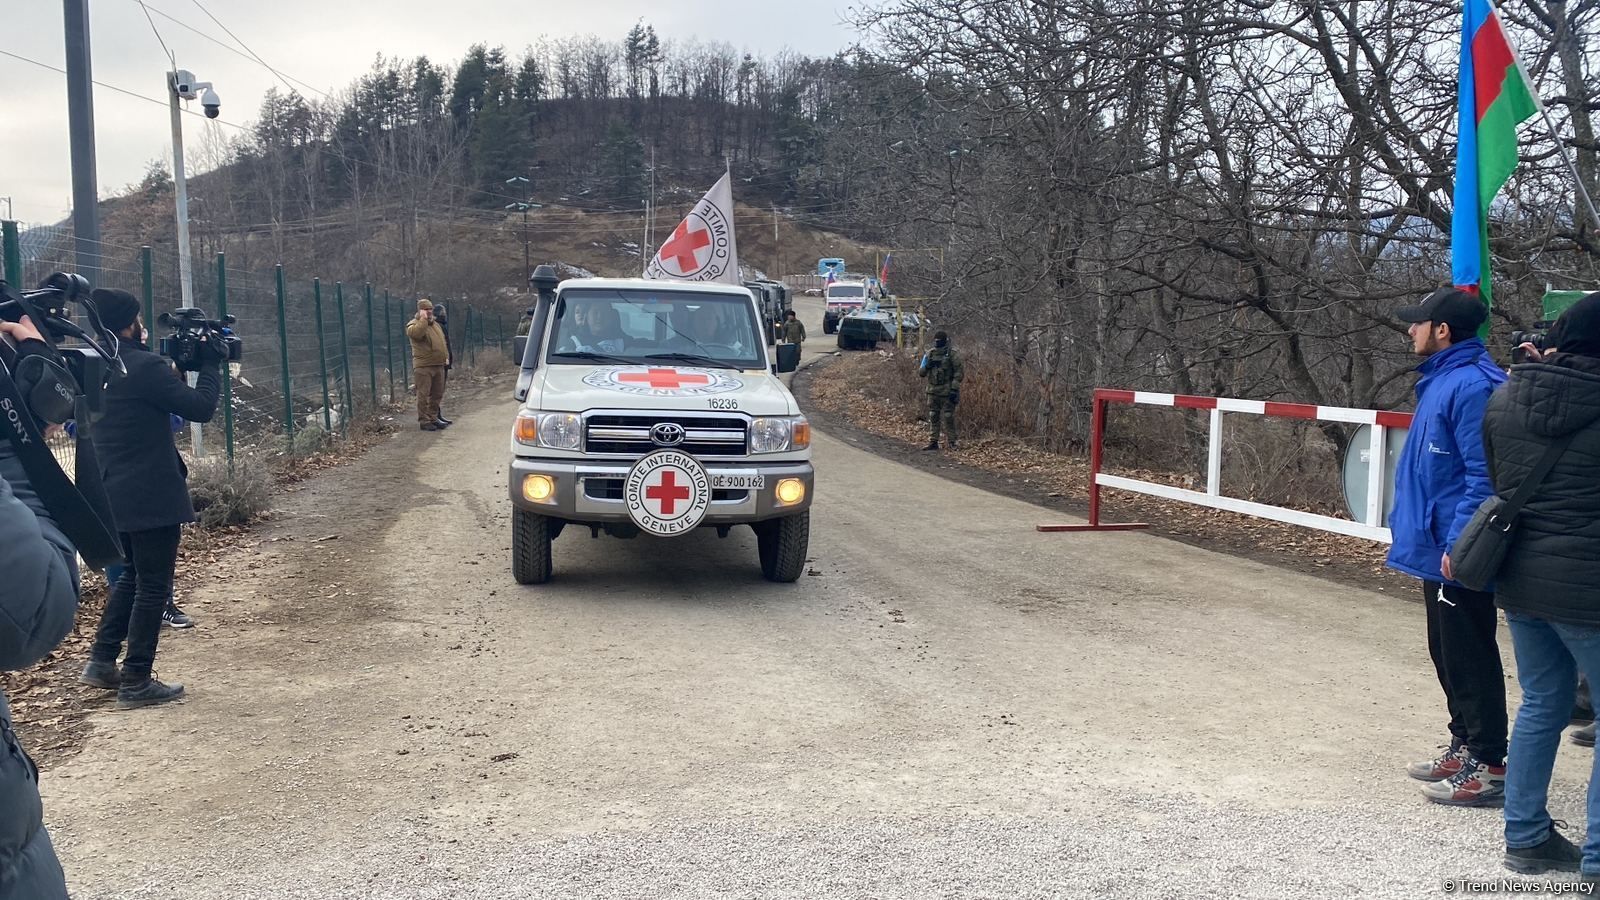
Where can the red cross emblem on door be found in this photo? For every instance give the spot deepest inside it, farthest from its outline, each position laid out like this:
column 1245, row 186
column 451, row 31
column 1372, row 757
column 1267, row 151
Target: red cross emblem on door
column 684, row 247
column 665, row 379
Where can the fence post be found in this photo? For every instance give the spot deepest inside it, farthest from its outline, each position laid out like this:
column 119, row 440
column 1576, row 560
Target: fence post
column 372, row 352
column 348, row 397
column 388, row 340
column 466, row 343
column 322, row 358
column 12, row 252
column 147, row 283
column 227, row 368
column 500, row 333
column 405, row 358
column 283, row 353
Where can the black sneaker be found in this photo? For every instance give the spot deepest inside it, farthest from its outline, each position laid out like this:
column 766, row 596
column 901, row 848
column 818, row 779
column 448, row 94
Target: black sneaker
column 1583, row 737
column 174, row 617
column 932, row 445
column 148, row 692
column 103, row 675
column 1556, row 854
column 444, row 421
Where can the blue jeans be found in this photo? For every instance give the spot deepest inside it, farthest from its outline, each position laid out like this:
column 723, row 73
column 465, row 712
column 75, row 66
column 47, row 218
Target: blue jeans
column 1550, row 656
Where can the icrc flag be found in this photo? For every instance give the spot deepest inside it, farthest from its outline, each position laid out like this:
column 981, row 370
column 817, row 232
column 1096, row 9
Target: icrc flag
column 702, row 247
column 1494, row 97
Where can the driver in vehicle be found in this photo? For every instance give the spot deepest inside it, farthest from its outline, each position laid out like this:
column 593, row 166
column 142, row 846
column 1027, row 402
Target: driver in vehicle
column 606, row 325
column 593, row 328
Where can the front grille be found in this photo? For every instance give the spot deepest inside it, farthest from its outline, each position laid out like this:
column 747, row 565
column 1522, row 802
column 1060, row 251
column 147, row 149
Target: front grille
column 611, row 489
column 624, row 435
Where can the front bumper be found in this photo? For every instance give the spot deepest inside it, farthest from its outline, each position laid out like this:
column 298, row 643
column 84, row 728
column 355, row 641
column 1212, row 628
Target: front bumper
column 590, row 492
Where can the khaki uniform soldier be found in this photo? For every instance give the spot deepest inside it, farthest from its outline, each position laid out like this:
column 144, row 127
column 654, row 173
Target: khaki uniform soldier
column 942, row 367
column 430, row 354
column 794, row 331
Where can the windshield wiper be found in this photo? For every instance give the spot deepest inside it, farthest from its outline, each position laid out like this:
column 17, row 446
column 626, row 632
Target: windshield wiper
column 593, row 356
column 695, row 358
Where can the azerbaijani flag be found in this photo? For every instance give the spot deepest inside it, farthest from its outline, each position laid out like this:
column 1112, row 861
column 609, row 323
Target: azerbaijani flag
column 1494, row 97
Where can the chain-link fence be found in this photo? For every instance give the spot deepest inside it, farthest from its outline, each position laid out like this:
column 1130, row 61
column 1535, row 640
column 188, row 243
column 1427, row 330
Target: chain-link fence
column 319, row 354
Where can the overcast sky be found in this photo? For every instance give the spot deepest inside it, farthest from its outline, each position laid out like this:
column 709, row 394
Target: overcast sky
column 327, row 43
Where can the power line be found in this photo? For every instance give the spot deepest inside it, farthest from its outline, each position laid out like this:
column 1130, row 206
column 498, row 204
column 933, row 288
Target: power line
column 226, row 46
column 246, row 47
column 159, row 38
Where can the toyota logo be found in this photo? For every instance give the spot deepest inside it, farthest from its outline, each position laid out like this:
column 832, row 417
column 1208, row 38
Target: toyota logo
column 667, row 434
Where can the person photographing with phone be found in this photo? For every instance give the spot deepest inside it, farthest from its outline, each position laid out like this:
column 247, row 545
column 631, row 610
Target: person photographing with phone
column 1542, row 439
column 430, row 357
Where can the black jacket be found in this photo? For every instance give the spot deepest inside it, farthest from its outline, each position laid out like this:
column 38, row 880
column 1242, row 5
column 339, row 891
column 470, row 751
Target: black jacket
column 145, row 477
column 1553, row 568
column 36, row 611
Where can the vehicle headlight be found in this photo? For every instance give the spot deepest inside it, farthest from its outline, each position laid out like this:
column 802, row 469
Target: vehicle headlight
column 775, row 434
column 556, row 431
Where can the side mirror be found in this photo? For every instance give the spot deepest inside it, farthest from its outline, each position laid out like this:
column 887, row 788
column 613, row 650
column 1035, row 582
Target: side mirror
column 788, row 357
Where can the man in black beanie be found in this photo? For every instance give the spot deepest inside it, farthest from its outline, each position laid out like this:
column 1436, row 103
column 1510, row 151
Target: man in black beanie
column 147, row 483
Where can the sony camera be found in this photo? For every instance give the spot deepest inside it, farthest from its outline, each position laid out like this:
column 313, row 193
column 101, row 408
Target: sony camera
column 44, row 383
column 1539, row 337
column 197, row 341
column 54, row 378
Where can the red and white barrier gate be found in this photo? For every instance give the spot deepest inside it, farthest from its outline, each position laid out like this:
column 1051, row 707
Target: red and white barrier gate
column 1371, row 526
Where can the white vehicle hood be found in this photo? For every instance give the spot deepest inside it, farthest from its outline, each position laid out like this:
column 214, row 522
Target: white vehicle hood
column 560, row 388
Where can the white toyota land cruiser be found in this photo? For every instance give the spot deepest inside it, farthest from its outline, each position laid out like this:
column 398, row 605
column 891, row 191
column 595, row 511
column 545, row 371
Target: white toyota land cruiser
column 652, row 407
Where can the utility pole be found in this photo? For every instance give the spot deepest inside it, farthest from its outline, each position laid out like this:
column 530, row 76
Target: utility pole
column 524, row 205
column 650, row 206
column 80, row 128
column 181, row 85
column 180, row 186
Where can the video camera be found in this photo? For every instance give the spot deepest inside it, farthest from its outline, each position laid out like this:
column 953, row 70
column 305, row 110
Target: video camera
column 197, row 341
column 43, row 384
column 1539, row 338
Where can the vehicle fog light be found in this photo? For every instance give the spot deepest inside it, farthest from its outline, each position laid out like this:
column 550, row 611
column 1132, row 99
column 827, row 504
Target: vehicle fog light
column 790, row 491
column 539, row 488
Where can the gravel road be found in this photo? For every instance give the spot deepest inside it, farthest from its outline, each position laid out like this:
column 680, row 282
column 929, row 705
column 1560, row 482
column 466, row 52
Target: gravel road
column 949, row 705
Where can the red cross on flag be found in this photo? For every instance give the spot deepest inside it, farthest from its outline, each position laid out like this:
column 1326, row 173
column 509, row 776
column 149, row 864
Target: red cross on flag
column 702, row 247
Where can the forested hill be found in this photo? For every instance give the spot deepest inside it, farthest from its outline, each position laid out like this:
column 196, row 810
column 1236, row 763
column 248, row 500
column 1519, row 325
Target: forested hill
column 406, row 176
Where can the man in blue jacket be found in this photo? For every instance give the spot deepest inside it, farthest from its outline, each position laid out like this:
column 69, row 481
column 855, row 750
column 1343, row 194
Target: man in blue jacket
column 1441, row 479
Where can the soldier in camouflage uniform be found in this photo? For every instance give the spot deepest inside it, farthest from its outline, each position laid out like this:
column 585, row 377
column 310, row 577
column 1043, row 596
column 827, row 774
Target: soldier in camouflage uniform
column 942, row 367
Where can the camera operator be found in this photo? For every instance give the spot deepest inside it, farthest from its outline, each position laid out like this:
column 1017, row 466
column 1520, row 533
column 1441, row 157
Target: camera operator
column 147, row 483
column 37, row 609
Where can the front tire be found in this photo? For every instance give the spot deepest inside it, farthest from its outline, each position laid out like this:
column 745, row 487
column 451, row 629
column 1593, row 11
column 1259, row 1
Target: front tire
column 531, row 534
column 782, row 544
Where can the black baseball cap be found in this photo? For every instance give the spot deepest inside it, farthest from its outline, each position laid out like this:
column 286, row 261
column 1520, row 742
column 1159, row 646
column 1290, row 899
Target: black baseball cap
column 1463, row 312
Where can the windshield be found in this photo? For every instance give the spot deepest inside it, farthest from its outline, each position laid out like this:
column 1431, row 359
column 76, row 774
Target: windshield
column 644, row 327
column 846, row 291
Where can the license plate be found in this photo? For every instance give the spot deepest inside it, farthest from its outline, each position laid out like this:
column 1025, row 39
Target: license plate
column 733, row 482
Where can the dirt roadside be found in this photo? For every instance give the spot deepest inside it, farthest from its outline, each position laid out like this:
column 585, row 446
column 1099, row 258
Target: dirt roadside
column 1059, row 483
